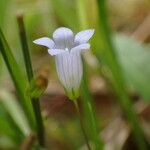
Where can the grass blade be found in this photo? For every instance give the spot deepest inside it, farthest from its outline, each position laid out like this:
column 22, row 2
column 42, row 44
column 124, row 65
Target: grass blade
column 17, row 77
column 107, row 55
column 15, row 111
column 89, row 114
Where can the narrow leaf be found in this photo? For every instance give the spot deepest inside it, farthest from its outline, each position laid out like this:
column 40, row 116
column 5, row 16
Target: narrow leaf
column 17, row 77
column 15, row 111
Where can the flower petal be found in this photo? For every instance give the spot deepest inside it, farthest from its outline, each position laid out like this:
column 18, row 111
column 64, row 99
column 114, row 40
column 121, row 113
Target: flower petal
column 82, row 47
column 45, row 42
column 55, row 51
column 77, row 70
column 83, row 36
column 62, row 66
column 63, row 38
column 69, row 70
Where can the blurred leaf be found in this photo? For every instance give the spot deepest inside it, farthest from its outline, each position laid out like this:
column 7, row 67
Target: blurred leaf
column 135, row 59
column 15, row 111
column 65, row 10
column 35, row 27
column 110, row 60
column 82, row 15
column 3, row 7
column 8, row 128
column 5, row 126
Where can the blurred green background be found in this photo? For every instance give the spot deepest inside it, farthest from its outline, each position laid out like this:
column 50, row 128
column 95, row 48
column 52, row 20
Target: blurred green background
column 129, row 22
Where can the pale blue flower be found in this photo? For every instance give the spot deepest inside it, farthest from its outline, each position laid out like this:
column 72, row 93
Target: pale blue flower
column 67, row 48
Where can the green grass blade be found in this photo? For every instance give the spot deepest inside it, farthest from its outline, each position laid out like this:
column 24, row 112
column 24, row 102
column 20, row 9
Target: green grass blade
column 134, row 60
column 25, row 48
column 107, row 55
column 65, row 12
column 15, row 111
column 3, row 7
column 89, row 114
column 17, row 77
column 81, row 11
column 8, row 127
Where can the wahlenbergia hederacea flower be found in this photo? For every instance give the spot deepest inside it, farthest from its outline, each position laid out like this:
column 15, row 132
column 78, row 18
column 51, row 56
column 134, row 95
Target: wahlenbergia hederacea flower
column 67, row 48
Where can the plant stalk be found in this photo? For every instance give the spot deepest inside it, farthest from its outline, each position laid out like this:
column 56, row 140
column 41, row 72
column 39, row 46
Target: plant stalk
column 29, row 71
column 89, row 112
column 81, row 124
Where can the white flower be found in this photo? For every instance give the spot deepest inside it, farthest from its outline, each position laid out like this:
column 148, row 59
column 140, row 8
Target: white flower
column 67, row 48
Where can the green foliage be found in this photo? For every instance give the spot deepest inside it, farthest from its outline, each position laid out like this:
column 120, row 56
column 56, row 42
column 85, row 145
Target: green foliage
column 117, row 80
column 5, row 126
column 134, row 59
column 65, row 11
column 89, row 114
column 125, row 61
column 3, row 8
column 17, row 77
column 8, row 130
column 15, row 111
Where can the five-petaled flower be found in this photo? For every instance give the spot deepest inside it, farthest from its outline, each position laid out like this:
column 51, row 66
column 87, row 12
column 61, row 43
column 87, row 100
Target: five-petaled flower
column 67, row 48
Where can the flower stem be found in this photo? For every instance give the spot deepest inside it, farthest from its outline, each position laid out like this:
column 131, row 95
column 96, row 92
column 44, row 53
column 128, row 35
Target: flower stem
column 29, row 71
column 89, row 112
column 81, row 123
column 97, row 142
column 40, row 126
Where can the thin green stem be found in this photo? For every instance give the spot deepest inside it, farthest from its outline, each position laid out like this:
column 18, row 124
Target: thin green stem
column 29, row 70
column 85, row 94
column 82, row 125
column 98, row 144
column 40, row 126
column 25, row 48
column 89, row 113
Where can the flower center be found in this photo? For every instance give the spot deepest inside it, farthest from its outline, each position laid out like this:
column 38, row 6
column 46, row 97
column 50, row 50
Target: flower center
column 66, row 49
